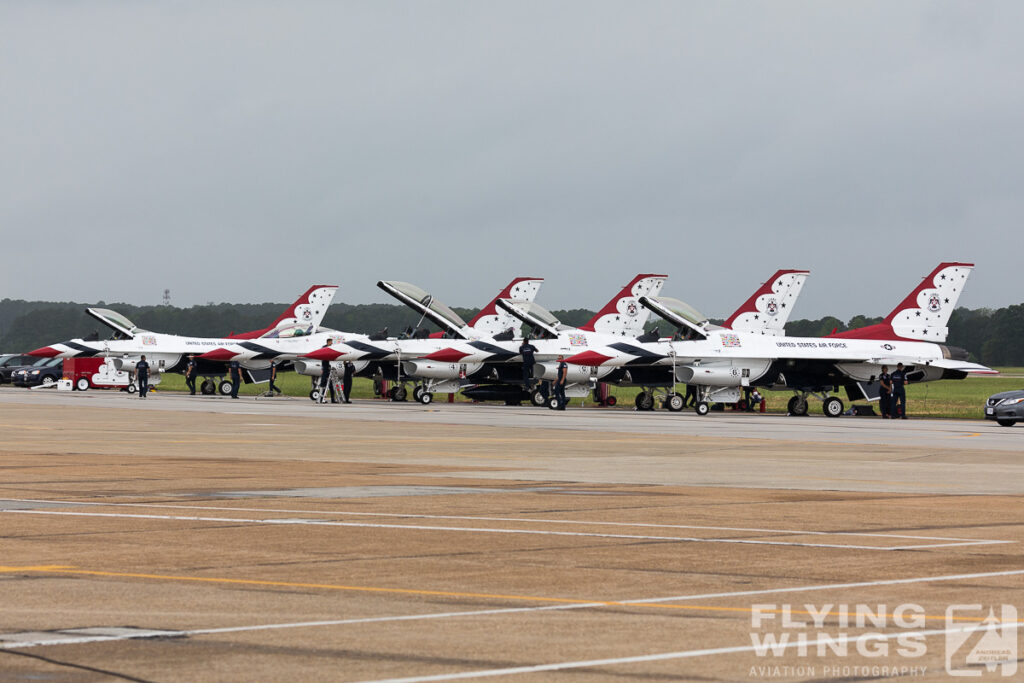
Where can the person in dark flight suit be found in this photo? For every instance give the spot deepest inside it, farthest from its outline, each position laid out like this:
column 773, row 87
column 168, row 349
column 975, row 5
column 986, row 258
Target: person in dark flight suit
column 885, row 392
column 142, row 375
column 190, row 374
column 899, row 393
column 273, row 376
column 346, row 385
column 690, row 399
column 526, row 350
column 559, row 384
column 235, row 371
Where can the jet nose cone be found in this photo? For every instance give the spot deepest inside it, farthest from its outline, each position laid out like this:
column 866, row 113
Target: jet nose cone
column 45, row 352
column 219, row 354
column 326, row 353
column 588, row 358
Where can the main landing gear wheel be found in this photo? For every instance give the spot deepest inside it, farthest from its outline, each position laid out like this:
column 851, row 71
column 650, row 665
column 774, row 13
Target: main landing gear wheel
column 554, row 404
column 537, row 398
column 797, row 406
column 1006, row 423
column 207, row 388
column 833, row 406
column 425, row 397
column 674, row 403
column 417, row 391
column 131, row 388
column 399, row 393
column 225, row 388
column 702, row 408
column 644, row 401
column 314, row 395
column 82, row 384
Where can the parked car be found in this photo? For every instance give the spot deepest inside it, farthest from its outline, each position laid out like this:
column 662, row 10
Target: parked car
column 12, row 362
column 9, row 362
column 1006, row 408
column 48, row 372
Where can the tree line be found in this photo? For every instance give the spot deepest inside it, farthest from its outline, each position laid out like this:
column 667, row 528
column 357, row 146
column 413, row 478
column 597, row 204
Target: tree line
column 993, row 337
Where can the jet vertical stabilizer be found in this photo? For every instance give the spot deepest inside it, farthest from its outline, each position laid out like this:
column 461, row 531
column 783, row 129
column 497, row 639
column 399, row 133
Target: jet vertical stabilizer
column 491, row 320
column 309, row 310
column 924, row 313
column 624, row 315
column 767, row 311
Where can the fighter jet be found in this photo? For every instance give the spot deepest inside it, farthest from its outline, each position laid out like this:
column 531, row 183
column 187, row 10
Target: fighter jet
column 379, row 354
column 720, row 362
column 169, row 352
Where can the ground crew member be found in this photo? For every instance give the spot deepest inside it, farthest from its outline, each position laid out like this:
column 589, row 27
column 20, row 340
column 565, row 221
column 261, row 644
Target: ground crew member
column 142, row 375
column 690, row 399
column 325, row 381
column 899, row 393
column 273, row 376
column 559, row 386
column 526, row 350
column 235, row 371
column 346, row 385
column 885, row 392
column 190, row 374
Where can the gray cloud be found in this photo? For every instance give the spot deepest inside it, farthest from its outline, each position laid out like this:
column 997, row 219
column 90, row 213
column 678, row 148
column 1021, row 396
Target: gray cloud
column 238, row 151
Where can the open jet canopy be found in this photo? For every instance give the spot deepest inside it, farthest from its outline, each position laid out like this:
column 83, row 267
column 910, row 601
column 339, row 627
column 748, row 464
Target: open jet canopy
column 534, row 315
column 676, row 312
column 115, row 321
column 420, row 300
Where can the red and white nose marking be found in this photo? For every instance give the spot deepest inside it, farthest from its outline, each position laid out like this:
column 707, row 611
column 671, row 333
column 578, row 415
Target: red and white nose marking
column 326, row 353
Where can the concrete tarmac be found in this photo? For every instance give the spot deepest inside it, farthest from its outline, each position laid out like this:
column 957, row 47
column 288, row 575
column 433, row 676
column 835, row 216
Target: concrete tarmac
column 183, row 539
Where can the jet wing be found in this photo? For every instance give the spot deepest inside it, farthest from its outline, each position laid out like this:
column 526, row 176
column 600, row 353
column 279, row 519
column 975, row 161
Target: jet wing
column 677, row 313
column 114, row 321
column 424, row 303
column 962, row 366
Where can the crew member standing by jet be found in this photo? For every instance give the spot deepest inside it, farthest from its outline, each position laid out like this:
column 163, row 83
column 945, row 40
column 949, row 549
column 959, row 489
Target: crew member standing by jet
column 273, row 376
column 526, row 350
column 690, row 399
column 142, row 375
column 235, row 371
column 559, row 386
column 885, row 392
column 190, row 374
column 899, row 393
column 346, row 386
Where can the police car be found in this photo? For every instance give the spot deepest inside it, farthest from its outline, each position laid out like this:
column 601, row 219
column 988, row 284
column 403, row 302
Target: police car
column 1006, row 408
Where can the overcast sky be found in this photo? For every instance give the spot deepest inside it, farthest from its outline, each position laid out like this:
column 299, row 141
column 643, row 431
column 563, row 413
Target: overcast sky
column 240, row 151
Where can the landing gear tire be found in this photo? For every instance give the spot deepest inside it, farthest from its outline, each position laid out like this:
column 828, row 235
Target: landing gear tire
column 610, row 401
column 674, row 403
column 207, row 388
column 314, row 395
column 537, row 398
column 644, row 401
column 131, row 388
column 417, row 391
column 554, row 404
column 833, row 406
column 82, row 384
column 1006, row 423
column 399, row 394
column 702, row 408
column 425, row 397
column 797, row 405
column 225, row 388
